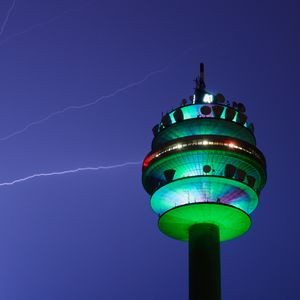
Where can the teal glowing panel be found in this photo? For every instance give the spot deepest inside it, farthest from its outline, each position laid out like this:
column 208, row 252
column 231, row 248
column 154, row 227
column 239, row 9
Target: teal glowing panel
column 191, row 163
column 203, row 127
column 204, row 189
column 194, row 111
column 232, row 222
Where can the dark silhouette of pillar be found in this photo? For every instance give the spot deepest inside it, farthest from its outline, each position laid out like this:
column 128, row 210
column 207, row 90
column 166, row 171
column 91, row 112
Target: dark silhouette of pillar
column 204, row 262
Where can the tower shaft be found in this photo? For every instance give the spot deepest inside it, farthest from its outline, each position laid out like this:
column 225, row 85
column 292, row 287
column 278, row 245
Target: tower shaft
column 204, row 262
column 204, row 174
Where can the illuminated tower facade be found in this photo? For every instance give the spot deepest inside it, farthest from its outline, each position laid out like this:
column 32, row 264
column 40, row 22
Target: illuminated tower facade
column 204, row 175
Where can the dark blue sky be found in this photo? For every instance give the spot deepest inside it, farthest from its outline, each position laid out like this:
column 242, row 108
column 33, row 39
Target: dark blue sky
column 92, row 235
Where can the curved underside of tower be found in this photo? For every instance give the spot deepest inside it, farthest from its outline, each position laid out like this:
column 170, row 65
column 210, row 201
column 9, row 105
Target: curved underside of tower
column 204, row 167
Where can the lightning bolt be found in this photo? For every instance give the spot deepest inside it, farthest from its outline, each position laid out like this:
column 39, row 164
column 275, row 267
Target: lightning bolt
column 65, row 172
column 41, row 24
column 76, row 107
column 2, row 28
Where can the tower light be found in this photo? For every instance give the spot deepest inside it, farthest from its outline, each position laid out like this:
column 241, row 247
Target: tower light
column 214, row 161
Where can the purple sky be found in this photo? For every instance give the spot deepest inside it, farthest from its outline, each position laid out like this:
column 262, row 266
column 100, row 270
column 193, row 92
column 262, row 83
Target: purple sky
column 92, row 234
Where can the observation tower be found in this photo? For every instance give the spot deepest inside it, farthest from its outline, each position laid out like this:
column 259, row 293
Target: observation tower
column 204, row 175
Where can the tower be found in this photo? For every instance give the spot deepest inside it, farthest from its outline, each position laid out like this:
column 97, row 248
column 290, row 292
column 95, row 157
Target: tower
column 204, row 175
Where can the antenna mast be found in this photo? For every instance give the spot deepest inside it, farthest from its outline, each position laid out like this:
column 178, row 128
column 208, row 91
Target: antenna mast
column 202, row 85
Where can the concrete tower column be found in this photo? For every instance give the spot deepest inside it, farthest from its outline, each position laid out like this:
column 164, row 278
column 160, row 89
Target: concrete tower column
column 204, row 262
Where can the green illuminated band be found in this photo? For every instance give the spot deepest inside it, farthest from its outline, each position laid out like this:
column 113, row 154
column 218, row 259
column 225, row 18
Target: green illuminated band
column 191, row 163
column 204, row 189
column 193, row 111
column 232, row 222
column 204, row 126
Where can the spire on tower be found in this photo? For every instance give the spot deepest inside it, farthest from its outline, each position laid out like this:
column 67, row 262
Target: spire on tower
column 200, row 85
column 201, row 79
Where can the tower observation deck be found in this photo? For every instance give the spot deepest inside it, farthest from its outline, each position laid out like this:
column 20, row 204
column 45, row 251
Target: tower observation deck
column 204, row 175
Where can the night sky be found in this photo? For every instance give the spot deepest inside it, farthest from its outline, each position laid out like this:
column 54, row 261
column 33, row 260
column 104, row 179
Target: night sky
column 92, row 234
